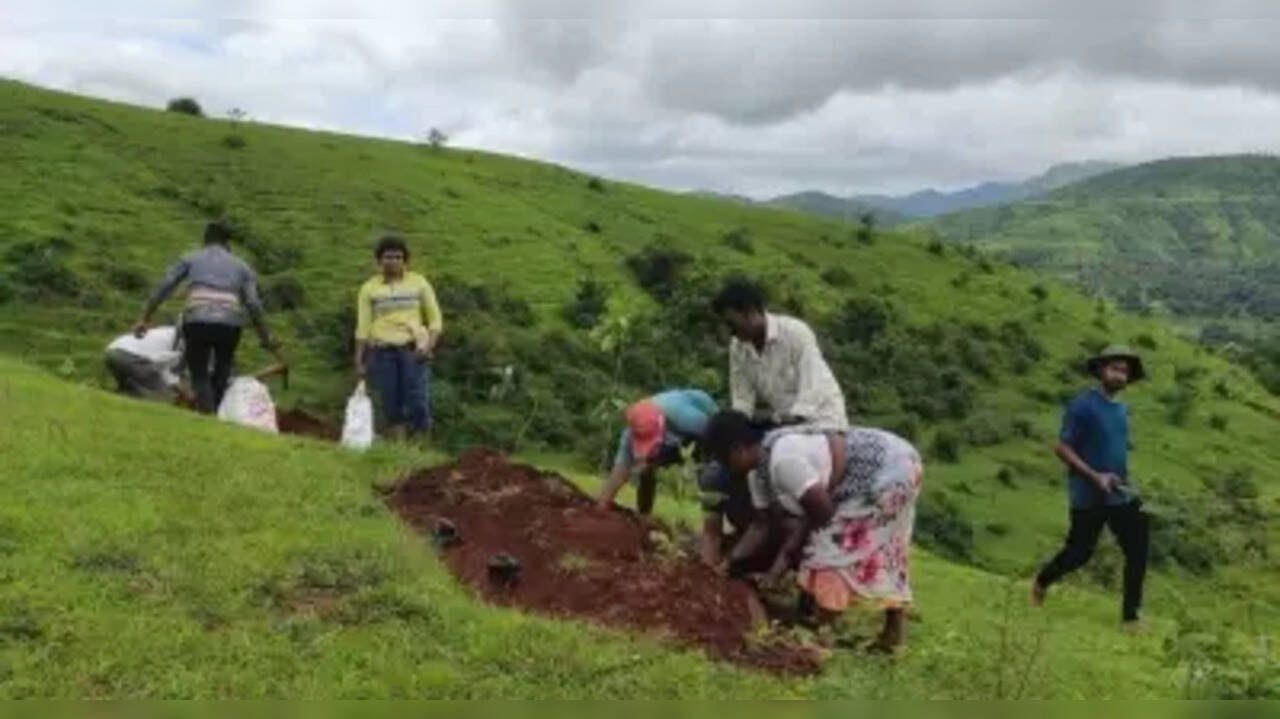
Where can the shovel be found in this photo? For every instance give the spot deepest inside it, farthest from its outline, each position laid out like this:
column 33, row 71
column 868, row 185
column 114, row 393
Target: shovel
column 279, row 368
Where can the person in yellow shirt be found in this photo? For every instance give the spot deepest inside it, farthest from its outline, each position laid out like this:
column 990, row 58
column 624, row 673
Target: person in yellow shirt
column 398, row 323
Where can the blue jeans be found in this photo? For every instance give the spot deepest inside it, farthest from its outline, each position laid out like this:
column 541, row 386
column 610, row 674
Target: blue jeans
column 404, row 382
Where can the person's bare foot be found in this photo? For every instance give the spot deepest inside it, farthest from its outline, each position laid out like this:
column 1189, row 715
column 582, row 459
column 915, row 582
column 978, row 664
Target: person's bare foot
column 1135, row 626
column 885, row 644
column 890, row 638
column 1037, row 593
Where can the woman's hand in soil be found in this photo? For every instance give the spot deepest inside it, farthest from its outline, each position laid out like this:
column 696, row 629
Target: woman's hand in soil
column 712, row 558
column 772, row 579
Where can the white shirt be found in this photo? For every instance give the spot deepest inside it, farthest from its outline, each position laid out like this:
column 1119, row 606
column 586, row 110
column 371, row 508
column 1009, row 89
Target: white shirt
column 156, row 346
column 789, row 375
column 797, row 463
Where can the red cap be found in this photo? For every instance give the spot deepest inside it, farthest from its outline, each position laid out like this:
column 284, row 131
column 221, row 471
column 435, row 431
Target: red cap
column 647, row 425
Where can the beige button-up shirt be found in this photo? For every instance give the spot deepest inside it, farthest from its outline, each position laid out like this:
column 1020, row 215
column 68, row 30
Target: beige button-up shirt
column 789, row 375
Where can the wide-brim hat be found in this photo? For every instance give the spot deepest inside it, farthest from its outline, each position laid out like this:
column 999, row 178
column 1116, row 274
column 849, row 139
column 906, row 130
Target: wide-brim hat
column 1114, row 352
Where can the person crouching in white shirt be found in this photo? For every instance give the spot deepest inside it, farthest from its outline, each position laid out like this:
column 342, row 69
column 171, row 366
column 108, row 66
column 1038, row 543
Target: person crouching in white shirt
column 147, row 367
column 778, row 377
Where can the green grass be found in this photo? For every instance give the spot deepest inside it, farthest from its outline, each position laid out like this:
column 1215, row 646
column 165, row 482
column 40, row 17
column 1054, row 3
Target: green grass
column 146, row 552
column 101, row 196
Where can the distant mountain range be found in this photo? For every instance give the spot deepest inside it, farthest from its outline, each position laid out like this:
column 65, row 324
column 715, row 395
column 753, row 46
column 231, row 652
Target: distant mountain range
column 1198, row 235
column 931, row 203
column 893, row 209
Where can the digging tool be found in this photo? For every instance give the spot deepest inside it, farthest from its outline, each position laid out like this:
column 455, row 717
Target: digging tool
column 279, row 368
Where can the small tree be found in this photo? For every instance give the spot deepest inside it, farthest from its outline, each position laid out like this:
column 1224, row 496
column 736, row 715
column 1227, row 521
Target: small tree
column 237, row 116
column 185, row 106
column 436, row 138
column 589, row 305
column 867, row 229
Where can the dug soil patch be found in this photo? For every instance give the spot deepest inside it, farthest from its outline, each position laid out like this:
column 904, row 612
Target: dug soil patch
column 614, row 568
column 300, row 422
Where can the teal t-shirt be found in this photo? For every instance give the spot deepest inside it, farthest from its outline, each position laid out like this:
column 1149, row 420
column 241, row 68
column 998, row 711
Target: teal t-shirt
column 1097, row 428
column 687, row 412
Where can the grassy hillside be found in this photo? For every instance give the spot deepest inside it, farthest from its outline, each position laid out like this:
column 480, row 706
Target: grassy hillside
column 592, row 292
column 1199, row 236
column 148, row 552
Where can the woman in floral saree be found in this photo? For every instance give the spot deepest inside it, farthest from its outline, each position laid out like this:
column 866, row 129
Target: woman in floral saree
column 848, row 496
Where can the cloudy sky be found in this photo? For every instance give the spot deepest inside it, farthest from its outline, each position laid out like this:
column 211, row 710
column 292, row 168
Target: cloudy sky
column 752, row 97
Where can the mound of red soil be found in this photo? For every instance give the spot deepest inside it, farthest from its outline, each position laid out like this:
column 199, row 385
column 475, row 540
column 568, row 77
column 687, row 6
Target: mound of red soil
column 613, row 567
column 300, row 422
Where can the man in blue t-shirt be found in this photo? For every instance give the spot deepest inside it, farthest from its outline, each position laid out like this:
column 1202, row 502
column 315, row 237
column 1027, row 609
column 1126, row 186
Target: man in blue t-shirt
column 1094, row 444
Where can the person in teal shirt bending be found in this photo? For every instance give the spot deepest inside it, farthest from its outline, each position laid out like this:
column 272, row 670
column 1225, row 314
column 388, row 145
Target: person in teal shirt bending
column 657, row 429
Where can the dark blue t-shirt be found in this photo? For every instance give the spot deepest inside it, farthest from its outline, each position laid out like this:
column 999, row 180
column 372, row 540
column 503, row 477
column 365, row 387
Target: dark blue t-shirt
column 1097, row 429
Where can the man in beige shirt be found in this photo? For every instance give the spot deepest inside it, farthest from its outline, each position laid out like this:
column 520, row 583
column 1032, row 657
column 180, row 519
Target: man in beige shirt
column 778, row 376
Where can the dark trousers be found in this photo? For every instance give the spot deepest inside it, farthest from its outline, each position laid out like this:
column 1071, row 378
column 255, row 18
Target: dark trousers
column 404, row 384
column 1131, row 528
column 210, row 349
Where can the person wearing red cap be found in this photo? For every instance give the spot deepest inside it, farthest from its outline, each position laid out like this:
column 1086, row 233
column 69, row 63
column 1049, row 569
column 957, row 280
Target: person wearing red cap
column 656, row 430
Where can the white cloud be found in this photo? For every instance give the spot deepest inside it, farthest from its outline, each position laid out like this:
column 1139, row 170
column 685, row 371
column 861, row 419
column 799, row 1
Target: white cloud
column 746, row 104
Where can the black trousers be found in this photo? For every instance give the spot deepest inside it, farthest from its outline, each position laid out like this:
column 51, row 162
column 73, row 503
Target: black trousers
column 210, row 349
column 1131, row 528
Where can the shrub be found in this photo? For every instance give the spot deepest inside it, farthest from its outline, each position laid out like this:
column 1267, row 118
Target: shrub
column 234, row 141
column 1196, row 549
column 285, row 293
column 40, row 270
column 1040, row 292
column 658, row 270
column 588, row 305
column 1238, row 485
column 436, row 139
column 985, row 430
column 861, row 320
column 943, row 528
column 946, row 446
column 739, row 238
column 185, row 106
column 973, row 357
column 593, row 227
column 595, row 184
column 1022, row 428
column 332, row 332
column 127, row 279
column 935, row 247
column 866, row 232
column 997, row 529
column 1005, row 477
column 1179, row 404
column 1146, row 341
column 905, row 426
column 270, row 258
column 838, row 277
column 1218, row 422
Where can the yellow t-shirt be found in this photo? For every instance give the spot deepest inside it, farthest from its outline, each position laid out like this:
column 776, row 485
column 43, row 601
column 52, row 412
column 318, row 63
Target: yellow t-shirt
column 391, row 313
